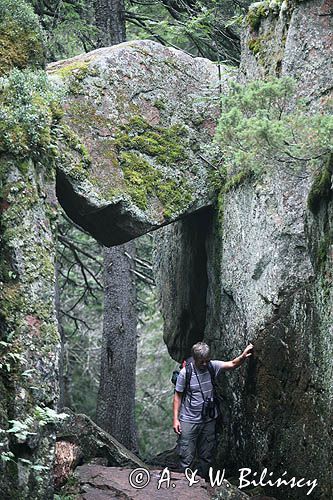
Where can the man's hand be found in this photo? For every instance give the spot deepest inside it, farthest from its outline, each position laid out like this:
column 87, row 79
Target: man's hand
column 246, row 352
column 235, row 363
column 176, row 426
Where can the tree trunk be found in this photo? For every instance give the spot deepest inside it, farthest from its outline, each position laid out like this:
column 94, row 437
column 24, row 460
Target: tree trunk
column 110, row 19
column 65, row 399
column 116, row 395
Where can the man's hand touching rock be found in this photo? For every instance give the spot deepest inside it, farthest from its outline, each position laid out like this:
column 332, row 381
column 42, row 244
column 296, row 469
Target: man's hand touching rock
column 248, row 351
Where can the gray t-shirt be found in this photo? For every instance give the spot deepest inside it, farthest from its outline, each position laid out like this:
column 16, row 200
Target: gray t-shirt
column 191, row 407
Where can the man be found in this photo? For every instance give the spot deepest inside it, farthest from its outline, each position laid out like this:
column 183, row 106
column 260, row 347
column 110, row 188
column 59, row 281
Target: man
column 194, row 414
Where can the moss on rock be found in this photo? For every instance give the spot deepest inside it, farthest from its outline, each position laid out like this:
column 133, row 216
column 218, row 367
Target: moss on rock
column 136, row 142
column 21, row 37
column 256, row 12
column 29, row 110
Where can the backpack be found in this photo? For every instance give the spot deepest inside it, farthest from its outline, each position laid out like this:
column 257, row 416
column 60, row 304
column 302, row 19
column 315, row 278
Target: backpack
column 187, row 363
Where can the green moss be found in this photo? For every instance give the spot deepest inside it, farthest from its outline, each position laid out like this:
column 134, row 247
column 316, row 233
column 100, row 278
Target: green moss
column 174, row 195
column 79, row 69
column 11, row 300
column 21, row 37
column 159, row 104
column 237, row 179
column 255, row 14
column 73, row 155
column 163, row 143
column 323, row 248
column 255, row 45
column 75, row 74
column 220, row 211
column 138, row 140
column 144, row 181
column 140, row 177
column 83, row 114
column 29, row 116
column 321, row 187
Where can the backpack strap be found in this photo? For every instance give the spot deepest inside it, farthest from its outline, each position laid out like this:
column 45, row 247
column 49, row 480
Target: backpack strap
column 212, row 373
column 188, row 375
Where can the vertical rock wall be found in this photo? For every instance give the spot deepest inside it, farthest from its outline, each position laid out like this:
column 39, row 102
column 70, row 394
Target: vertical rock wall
column 29, row 336
column 269, row 268
column 276, row 278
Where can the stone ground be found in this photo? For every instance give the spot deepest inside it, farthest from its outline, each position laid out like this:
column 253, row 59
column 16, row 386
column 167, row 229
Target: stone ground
column 105, row 483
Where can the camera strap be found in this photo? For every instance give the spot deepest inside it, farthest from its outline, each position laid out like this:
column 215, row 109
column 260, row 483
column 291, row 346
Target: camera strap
column 203, row 397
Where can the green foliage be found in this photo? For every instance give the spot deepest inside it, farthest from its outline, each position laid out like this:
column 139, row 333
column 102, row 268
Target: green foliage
column 261, row 123
column 21, row 430
column 209, row 28
column 40, row 417
column 254, row 45
column 10, row 358
column 29, row 107
column 69, row 26
column 22, row 39
column 47, row 415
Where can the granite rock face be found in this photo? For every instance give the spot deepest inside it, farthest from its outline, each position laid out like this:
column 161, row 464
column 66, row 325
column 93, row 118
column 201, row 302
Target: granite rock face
column 28, row 328
column 146, row 115
column 269, row 259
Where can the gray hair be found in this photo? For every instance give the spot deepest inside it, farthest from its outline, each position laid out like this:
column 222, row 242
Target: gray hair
column 200, row 350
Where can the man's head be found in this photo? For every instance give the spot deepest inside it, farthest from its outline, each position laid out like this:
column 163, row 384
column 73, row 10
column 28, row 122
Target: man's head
column 201, row 355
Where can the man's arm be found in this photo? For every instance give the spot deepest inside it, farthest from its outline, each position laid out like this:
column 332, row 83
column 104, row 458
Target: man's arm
column 177, row 400
column 235, row 363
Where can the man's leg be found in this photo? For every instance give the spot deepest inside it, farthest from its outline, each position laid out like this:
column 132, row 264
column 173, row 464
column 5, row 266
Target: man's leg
column 206, row 446
column 186, row 443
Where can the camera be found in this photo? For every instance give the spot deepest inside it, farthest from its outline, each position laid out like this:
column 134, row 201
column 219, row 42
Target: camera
column 208, row 408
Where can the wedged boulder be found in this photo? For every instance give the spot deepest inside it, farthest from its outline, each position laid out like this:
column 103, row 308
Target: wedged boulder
column 146, row 115
column 93, row 442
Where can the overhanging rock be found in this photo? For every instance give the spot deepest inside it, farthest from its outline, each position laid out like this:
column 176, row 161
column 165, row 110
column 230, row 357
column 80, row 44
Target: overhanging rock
column 146, row 116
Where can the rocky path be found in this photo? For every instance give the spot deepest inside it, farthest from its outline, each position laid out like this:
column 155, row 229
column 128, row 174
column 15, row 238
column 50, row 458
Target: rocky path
column 97, row 482
column 105, row 483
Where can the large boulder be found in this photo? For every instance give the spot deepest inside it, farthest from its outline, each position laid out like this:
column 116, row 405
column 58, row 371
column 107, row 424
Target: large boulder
column 146, row 115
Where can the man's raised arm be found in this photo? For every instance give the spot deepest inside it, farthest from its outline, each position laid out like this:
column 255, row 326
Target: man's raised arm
column 235, row 363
